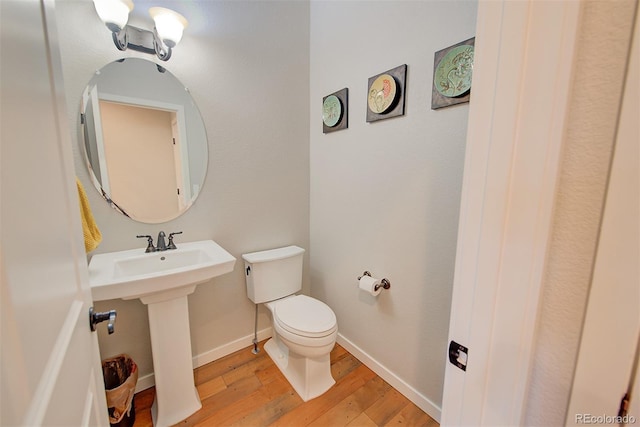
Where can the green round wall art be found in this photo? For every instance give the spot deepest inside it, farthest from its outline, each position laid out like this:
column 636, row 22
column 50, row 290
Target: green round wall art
column 452, row 77
column 331, row 111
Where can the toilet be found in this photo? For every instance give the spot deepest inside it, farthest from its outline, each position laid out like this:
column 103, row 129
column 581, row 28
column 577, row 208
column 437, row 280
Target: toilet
column 304, row 329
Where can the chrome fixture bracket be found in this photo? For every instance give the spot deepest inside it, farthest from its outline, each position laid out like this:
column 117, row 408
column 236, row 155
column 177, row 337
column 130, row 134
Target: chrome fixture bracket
column 141, row 40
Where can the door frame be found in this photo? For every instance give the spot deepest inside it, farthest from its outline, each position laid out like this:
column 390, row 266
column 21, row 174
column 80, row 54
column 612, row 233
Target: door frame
column 514, row 141
column 614, row 294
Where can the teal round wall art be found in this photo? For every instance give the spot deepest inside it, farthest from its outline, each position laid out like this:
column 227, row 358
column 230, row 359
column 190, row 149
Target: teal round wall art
column 453, row 72
column 335, row 111
column 331, row 110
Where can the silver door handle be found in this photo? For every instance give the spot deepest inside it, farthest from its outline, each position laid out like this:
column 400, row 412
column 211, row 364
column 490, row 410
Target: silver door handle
column 97, row 317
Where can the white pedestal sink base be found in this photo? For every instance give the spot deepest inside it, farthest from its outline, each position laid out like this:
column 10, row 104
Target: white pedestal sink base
column 176, row 394
column 162, row 281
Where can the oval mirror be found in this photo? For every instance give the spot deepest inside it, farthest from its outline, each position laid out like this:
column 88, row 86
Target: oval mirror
column 144, row 140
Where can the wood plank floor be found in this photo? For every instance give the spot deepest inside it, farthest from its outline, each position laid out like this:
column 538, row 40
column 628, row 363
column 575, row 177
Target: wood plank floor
column 243, row 389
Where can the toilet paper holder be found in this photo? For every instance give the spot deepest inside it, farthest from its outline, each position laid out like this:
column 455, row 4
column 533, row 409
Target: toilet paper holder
column 384, row 283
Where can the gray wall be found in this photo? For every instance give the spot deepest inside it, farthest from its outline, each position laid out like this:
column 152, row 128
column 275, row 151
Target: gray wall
column 247, row 67
column 385, row 196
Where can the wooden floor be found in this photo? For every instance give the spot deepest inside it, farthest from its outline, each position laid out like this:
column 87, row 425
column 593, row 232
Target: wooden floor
column 243, row 389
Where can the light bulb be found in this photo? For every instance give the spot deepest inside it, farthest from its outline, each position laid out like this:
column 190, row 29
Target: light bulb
column 169, row 25
column 114, row 13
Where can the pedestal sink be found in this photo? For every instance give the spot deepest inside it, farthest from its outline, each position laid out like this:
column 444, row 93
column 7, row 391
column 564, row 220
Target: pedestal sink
column 162, row 281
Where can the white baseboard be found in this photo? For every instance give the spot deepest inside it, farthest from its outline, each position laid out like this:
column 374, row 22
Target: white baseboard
column 148, row 381
column 145, row 382
column 225, row 349
column 396, row 382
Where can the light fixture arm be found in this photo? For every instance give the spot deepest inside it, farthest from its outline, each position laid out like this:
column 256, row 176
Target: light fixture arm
column 120, row 38
column 162, row 50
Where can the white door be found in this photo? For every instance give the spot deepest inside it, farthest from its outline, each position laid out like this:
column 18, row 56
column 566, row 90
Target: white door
column 50, row 366
column 514, row 137
column 515, row 132
column 612, row 325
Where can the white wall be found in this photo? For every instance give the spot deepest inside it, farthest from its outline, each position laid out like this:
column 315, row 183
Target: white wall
column 385, row 196
column 247, row 67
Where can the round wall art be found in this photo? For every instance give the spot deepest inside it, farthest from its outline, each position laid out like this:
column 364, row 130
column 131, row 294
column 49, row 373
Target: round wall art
column 382, row 94
column 335, row 111
column 452, row 74
column 331, row 110
column 385, row 94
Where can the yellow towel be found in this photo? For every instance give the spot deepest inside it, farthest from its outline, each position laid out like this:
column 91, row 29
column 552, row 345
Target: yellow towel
column 92, row 236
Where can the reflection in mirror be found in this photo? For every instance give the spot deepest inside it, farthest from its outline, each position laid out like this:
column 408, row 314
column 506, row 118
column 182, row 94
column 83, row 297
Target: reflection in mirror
column 144, row 140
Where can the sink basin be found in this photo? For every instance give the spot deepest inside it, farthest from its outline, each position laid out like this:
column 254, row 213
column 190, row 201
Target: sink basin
column 162, row 281
column 135, row 274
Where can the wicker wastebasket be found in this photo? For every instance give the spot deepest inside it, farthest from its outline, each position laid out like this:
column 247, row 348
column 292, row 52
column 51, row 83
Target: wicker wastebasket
column 120, row 377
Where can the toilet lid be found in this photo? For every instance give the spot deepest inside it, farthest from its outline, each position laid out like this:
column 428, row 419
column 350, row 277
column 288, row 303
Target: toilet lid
column 306, row 316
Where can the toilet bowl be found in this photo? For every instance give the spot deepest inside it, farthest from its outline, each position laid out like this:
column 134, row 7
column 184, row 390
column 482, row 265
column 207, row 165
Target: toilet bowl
column 304, row 328
column 300, row 347
column 306, row 325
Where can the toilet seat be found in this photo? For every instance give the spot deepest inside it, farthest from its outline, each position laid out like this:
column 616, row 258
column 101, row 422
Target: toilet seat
column 305, row 317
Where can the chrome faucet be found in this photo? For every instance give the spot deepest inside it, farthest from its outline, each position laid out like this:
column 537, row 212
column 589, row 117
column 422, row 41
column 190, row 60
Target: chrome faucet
column 160, row 244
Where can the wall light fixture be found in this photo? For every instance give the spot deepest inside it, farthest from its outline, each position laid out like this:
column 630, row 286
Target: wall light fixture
column 166, row 34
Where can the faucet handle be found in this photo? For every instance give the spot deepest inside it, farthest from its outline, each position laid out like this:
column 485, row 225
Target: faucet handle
column 172, row 245
column 150, row 247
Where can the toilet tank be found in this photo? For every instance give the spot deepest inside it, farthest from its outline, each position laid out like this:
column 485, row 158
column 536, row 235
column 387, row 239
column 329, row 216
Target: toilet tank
column 273, row 274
